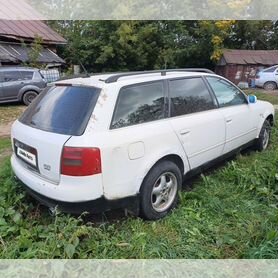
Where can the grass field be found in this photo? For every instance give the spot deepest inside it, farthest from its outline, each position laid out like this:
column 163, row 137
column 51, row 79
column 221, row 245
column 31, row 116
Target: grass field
column 228, row 212
column 271, row 96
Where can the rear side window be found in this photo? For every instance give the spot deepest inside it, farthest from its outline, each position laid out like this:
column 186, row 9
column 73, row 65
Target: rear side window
column 226, row 93
column 10, row 76
column 139, row 104
column 62, row 109
column 188, row 96
column 270, row 69
column 27, row 75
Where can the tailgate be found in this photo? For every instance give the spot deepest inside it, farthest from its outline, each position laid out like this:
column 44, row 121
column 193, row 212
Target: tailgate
column 40, row 151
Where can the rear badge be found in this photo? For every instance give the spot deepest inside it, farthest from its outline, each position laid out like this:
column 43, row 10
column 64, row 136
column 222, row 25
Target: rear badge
column 46, row 167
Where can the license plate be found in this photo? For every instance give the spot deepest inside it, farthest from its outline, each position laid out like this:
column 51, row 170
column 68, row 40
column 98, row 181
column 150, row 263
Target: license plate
column 26, row 153
column 28, row 157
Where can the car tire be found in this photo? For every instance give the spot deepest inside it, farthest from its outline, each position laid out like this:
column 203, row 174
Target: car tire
column 28, row 97
column 270, row 86
column 160, row 190
column 264, row 137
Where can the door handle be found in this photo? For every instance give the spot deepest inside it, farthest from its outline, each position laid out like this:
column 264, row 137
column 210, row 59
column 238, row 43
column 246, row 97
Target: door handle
column 184, row 132
column 229, row 120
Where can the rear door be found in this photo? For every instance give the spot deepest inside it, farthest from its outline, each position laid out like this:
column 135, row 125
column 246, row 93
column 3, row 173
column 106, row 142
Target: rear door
column 47, row 124
column 241, row 120
column 196, row 120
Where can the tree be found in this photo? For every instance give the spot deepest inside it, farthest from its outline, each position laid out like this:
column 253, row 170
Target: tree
column 105, row 46
column 33, row 52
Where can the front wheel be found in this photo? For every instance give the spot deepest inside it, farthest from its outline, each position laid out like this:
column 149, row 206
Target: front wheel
column 264, row 137
column 159, row 191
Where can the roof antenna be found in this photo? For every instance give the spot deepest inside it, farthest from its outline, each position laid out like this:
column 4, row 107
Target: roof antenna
column 84, row 69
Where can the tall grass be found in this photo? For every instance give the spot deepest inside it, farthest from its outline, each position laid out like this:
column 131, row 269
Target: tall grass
column 231, row 212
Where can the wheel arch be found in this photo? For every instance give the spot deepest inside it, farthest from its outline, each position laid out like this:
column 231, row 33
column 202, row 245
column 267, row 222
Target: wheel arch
column 270, row 119
column 175, row 158
column 26, row 89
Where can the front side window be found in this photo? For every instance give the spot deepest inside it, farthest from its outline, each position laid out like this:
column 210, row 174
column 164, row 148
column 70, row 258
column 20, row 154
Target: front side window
column 226, row 93
column 139, row 104
column 188, row 96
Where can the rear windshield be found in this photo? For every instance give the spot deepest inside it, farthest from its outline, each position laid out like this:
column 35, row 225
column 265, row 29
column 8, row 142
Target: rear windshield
column 62, row 109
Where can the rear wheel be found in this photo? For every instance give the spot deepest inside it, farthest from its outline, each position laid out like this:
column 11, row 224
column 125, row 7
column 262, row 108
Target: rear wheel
column 159, row 191
column 264, row 137
column 28, row 97
column 270, row 86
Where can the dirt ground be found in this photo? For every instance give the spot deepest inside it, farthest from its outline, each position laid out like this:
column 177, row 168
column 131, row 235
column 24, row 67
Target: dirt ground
column 5, row 129
column 8, row 114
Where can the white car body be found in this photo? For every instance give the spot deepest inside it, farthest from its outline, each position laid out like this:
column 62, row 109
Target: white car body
column 267, row 77
column 128, row 153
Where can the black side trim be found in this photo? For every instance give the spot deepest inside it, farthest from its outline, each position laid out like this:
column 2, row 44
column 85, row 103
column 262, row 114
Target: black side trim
column 213, row 162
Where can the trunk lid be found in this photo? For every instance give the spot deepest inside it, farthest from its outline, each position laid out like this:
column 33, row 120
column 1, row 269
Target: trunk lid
column 56, row 115
column 39, row 151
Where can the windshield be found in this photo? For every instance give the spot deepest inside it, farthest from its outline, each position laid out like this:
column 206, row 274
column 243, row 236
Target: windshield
column 62, row 109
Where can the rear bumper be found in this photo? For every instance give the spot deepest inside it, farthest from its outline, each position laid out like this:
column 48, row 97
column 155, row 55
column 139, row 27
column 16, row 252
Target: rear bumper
column 69, row 189
column 259, row 83
column 71, row 196
column 94, row 206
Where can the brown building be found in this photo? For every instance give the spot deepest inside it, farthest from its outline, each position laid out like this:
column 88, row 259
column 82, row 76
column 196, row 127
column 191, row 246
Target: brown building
column 242, row 65
column 14, row 52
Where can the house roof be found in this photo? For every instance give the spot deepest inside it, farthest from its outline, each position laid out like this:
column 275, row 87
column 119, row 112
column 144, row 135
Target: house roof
column 29, row 29
column 16, row 53
column 18, row 9
column 250, row 57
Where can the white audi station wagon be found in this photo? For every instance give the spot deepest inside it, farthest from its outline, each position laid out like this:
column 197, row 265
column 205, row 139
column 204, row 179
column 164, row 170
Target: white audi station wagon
column 128, row 140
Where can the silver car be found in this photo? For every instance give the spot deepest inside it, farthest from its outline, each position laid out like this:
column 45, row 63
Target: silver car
column 267, row 78
column 20, row 84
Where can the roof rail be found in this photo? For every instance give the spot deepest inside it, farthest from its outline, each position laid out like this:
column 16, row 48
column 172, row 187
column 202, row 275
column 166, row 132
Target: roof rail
column 116, row 77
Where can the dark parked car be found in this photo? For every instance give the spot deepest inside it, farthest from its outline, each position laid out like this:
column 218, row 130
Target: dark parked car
column 20, row 84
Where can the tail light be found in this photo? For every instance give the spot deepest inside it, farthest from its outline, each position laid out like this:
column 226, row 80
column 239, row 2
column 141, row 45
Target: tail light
column 80, row 161
column 257, row 76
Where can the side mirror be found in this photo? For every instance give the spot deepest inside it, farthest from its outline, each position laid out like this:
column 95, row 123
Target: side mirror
column 252, row 99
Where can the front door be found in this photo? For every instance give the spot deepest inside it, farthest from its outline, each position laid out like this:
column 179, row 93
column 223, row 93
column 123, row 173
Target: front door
column 241, row 119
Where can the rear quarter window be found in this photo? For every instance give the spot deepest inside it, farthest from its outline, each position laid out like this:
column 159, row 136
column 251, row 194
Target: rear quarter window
column 62, row 109
column 27, row 75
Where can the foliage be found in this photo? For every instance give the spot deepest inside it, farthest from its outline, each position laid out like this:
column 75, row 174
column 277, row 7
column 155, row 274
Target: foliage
column 228, row 212
column 34, row 51
column 219, row 31
column 143, row 45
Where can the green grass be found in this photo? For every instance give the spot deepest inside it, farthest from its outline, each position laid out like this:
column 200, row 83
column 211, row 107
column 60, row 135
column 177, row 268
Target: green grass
column 231, row 212
column 4, row 144
column 265, row 95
